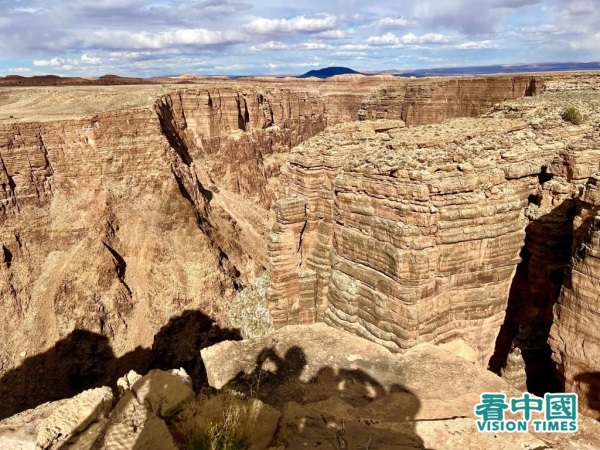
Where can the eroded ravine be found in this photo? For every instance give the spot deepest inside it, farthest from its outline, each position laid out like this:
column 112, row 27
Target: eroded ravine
column 119, row 223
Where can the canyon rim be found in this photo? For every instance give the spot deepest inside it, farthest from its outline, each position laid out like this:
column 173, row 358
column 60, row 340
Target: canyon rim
column 449, row 225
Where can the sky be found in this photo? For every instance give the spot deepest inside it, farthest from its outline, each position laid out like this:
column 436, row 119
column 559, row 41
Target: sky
column 251, row 37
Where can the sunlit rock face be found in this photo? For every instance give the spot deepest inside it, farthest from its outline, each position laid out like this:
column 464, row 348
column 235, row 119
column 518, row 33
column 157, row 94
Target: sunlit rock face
column 123, row 206
column 417, row 228
column 479, row 229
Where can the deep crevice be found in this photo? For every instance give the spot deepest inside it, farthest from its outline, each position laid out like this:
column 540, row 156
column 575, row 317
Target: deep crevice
column 120, row 265
column 168, row 126
column 534, row 291
column 8, row 256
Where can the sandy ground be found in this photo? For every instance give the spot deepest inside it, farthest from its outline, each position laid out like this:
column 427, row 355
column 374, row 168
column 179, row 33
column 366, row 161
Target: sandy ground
column 33, row 104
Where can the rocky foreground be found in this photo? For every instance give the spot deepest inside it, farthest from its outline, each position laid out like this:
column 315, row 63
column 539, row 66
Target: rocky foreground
column 307, row 386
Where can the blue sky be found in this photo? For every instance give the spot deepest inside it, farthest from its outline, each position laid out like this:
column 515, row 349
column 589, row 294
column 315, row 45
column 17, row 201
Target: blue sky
column 208, row 37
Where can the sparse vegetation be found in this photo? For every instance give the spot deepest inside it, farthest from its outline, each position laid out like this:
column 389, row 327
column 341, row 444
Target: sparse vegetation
column 221, row 422
column 248, row 310
column 572, row 115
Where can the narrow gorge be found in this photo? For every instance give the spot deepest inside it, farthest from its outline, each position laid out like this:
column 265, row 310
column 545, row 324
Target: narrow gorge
column 460, row 212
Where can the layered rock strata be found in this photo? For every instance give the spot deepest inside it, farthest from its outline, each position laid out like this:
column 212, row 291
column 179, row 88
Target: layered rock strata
column 122, row 207
column 405, row 235
column 574, row 337
column 425, row 101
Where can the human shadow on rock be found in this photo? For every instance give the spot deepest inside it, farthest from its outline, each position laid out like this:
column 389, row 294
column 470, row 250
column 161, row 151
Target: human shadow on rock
column 589, row 386
column 281, row 383
column 84, row 360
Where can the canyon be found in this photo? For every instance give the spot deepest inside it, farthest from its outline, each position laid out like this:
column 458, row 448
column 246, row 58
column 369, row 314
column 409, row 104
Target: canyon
column 460, row 212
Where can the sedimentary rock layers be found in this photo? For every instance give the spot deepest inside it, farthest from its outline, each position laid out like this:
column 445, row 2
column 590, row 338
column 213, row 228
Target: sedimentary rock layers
column 410, row 234
column 422, row 101
column 404, row 235
column 574, row 337
column 92, row 234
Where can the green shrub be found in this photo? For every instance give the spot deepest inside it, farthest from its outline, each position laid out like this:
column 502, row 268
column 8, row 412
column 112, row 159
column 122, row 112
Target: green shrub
column 221, row 422
column 572, row 115
column 248, row 310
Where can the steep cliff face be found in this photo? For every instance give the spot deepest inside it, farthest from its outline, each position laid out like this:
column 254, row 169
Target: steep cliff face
column 423, row 101
column 434, row 233
column 404, row 235
column 114, row 224
column 93, row 231
column 574, row 337
column 116, row 219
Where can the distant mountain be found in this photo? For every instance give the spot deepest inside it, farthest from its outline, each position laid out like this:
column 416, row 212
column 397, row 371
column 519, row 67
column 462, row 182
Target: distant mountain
column 328, row 72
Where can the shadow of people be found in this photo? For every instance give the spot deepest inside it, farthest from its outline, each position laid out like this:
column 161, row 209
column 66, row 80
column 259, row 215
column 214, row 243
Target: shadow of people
column 179, row 342
column 588, row 384
column 75, row 363
column 84, row 360
column 331, row 406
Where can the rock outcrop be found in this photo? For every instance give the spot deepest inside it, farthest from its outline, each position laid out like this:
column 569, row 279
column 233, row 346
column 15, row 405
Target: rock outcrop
column 332, row 385
column 461, row 230
column 424, row 101
column 88, row 421
column 74, row 416
column 405, row 235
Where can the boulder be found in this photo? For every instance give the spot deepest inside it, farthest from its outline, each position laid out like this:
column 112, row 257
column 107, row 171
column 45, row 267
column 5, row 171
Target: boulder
column 74, row 416
column 133, row 426
column 164, row 392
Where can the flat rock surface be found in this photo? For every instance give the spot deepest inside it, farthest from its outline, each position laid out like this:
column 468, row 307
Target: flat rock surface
column 327, row 380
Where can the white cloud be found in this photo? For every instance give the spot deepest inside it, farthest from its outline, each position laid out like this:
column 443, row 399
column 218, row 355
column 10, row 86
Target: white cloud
column 277, row 45
column 337, row 34
column 473, row 45
column 271, row 45
column 393, row 22
column 408, row 39
column 92, row 60
column 298, row 24
column 346, row 53
column 428, row 38
column 312, row 46
column 351, row 47
column 19, row 70
column 54, row 62
column 384, row 39
column 145, row 40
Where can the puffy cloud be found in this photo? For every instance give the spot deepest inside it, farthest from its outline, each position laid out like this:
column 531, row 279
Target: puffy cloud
column 393, row 22
column 409, row 39
column 123, row 39
column 270, row 45
column 277, row 45
column 313, row 46
column 19, row 70
column 88, row 59
column 337, row 34
column 472, row 45
column 298, row 24
column 54, row 62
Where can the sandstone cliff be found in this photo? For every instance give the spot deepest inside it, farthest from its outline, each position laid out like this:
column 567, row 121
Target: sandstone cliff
column 123, row 208
column 455, row 231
